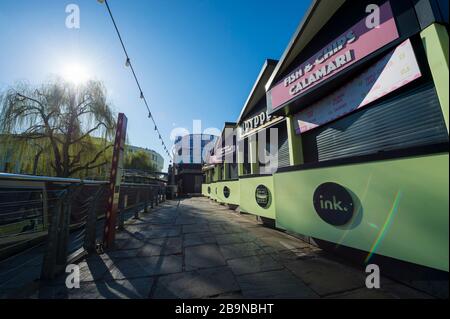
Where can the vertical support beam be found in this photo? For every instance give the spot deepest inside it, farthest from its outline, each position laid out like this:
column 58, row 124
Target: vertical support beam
column 295, row 143
column 253, row 156
column 114, row 182
column 240, row 160
column 215, row 173
column 240, row 149
column 435, row 43
column 226, row 171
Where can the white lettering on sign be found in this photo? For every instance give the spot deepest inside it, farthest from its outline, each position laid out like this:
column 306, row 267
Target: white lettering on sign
column 324, row 71
column 325, row 54
column 393, row 71
column 256, row 121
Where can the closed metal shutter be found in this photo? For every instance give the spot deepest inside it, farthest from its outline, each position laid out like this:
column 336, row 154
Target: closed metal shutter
column 413, row 118
column 283, row 145
column 233, row 171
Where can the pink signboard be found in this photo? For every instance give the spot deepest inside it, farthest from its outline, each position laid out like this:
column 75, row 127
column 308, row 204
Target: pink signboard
column 395, row 70
column 353, row 45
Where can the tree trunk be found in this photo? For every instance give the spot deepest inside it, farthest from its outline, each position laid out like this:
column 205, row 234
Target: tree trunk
column 36, row 161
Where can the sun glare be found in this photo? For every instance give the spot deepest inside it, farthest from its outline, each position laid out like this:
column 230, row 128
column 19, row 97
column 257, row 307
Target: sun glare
column 75, row 73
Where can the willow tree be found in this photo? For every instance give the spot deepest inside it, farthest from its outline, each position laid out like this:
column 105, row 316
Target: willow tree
column 66, row 128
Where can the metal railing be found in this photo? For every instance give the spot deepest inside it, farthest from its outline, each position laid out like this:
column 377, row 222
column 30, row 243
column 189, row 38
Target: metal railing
column 64, row 216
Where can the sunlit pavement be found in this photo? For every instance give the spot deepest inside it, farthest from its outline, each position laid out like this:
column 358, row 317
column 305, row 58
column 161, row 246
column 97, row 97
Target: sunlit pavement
column 196, row 248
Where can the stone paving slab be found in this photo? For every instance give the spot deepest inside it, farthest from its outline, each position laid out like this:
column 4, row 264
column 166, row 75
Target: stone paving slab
column 199, row 249
column 253, row 264
column 195, row 239
column 274, row 284
column 146, row 266
column 203, row 256
column 196, row 284
column 109, row 289
column 325, row 276
column 233, row 251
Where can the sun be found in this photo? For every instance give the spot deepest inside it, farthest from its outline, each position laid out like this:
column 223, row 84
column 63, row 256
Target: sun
column 75, row 73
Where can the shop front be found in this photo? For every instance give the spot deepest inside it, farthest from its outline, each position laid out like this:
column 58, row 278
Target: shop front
column 208, row 174
column 366, row 113
column 224, row 161
column 262, row 148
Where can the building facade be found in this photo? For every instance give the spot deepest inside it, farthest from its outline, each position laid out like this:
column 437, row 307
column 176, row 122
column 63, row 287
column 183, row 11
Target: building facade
column 190, row 153
column 156, row 159
column 360, row 102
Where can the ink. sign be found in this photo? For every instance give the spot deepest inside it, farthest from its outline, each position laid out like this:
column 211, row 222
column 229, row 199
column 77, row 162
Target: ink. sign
column 333, row 203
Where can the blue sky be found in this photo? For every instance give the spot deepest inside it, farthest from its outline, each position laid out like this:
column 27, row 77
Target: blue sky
column 196, row 59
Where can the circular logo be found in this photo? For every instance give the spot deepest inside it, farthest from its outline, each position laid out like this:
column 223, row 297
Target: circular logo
column 209, row 189
column 262, row 196
column 333, row 203
column 226, row 192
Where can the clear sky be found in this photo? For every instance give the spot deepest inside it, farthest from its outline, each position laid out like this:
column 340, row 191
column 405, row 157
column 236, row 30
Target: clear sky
column 196, row 59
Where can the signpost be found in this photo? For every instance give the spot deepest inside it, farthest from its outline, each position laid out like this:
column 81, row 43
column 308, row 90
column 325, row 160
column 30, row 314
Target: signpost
column 114, row 182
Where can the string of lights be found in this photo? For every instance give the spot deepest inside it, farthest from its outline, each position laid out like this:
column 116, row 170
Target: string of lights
column 130, row 65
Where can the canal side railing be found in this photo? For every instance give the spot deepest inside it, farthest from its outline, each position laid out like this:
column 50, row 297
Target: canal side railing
column 64, row 217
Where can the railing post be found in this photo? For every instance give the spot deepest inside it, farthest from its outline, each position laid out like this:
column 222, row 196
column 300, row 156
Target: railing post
column 55, row 255
column 121, row 211
column 146, row 196
column 152, row 196
column 49, row 265
column 91, row 222
column 73, row 191
column 138, row 199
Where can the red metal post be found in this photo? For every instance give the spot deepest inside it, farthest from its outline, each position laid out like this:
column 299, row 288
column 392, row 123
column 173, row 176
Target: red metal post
column 114, row 182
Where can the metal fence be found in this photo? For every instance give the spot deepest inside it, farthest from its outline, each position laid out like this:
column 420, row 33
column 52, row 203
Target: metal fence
column 63, row 218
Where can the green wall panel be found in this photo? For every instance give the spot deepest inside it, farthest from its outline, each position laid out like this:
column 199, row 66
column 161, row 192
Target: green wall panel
column 205, row 190
column 234, row 192
column 247, row 196
column 435, row 42
column 213, row 191
column 401, row 207
column 218, row 191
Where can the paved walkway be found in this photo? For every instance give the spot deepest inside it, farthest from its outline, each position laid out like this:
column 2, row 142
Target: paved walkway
column 196, row 248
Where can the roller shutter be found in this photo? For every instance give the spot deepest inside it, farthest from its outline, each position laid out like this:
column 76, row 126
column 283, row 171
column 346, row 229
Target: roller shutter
column 413, row 118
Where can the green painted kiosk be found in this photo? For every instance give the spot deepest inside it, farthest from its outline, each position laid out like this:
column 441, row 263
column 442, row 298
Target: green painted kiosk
column 364, row 87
